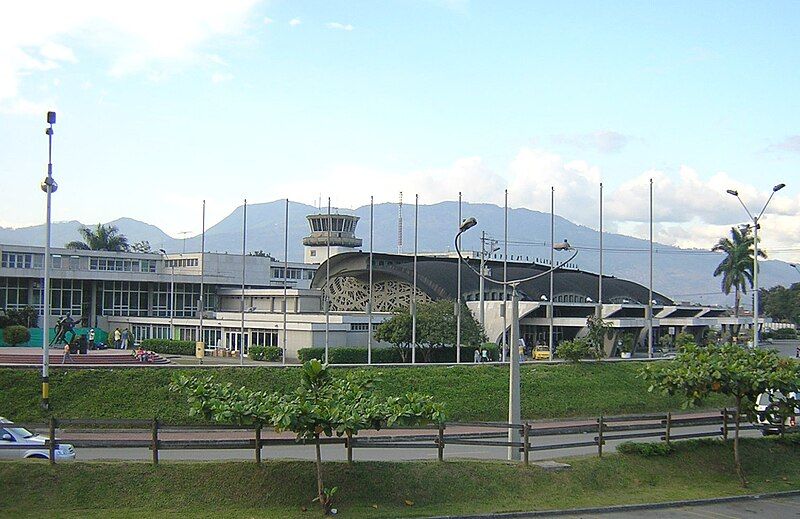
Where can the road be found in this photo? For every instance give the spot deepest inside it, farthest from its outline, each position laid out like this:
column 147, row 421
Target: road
column 339, row 453
column 768, row 508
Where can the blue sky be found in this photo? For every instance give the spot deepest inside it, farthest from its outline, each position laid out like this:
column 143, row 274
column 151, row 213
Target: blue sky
column 163, row 104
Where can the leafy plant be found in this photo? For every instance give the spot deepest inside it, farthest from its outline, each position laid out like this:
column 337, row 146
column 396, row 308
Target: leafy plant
column 102, row 237
column 599, row 330
column 736, row 268
column 684, row 340
column 628, row 342
column 27, row 316
column 575, row 350
column 646, row 450
column 16, row 334
column 324, row 404
column 265, row 353
column 738, row 372
column 170, row 347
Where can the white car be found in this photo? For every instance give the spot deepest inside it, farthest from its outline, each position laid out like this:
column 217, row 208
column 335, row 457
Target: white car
column 767, row 416
column 17, row 442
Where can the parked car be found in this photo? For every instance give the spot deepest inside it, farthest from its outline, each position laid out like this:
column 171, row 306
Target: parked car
column 18, row 442
column 769, row 418
column 541, row 352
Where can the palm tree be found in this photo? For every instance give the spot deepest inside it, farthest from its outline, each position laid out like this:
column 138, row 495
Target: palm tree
column 102, row 237
column 736, row 268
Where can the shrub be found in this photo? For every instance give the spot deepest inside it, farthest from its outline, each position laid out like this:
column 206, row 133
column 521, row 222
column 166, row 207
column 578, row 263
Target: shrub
column 358, row 355
column 16, row 334
column 169, row 347
column 574, row 350
column 683, row 340
column 784, row 333
column 265, row 353
column 646, row 450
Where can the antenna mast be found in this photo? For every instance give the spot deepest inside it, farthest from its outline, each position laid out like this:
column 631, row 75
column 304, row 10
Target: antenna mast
column 400, row 225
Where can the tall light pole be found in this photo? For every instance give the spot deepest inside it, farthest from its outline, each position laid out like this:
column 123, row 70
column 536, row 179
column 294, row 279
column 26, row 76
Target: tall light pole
column 49, row 186
column 244, row 266
column 600, row 277
column 514, row 409
column 171, row 295
column 492, row 249
column 458, row 296
column 285, row 270
column 650, row 286
column 414, row 287
column 755, row 220
column 550, row 327
column 369, row 302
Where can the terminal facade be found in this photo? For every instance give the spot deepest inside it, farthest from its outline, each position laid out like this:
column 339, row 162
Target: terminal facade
column 158, row 296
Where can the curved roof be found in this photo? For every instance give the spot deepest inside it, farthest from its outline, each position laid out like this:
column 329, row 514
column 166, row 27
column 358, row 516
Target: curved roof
column 438, row 277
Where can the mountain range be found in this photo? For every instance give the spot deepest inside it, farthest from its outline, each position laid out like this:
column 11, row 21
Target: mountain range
column 683, row 274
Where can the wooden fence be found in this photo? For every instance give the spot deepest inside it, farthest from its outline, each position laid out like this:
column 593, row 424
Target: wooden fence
column 533, row 436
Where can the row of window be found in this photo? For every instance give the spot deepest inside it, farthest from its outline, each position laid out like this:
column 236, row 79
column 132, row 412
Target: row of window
column 337, row 224
column 294, row 273
column 184, row 262
column 122, row 265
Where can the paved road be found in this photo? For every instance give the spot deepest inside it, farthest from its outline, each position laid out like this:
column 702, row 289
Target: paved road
column 769, row 508
column 338, row 452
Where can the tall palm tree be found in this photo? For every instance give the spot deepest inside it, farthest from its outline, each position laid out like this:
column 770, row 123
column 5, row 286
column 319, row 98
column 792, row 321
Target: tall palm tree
column 736, row 268
column 102, row 237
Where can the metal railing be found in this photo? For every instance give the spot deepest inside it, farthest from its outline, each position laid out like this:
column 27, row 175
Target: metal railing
column 662, row 426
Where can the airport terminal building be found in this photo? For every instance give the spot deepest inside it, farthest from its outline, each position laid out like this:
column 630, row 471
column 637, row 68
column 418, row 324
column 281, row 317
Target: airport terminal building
column 158, row 296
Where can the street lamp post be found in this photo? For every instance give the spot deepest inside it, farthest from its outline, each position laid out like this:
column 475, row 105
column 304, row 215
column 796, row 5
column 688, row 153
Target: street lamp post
column 492, row 249
column 514, row 411
column 755, row 220
column 49, row 186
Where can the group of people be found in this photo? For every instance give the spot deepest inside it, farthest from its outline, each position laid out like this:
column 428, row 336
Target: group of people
column 481, row 356
column 122, row 339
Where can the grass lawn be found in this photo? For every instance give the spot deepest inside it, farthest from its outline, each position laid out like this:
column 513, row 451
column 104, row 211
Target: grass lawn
column 468, row 392
column 278, row 489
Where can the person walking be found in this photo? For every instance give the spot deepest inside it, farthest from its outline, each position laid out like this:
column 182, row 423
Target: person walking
column 476, row 358
column 485, row 355
column 66, row 356
column 91, row 338
column 117, row 338
column 125, row 336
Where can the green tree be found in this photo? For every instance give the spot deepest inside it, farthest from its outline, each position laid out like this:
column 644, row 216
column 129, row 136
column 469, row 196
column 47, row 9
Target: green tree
column 323, row 404
column 731, row 370
column 397, row 331
column 598, row 330
column 575, row 350
column 736, row 268
column 27, row 316
column 102, row 237
column 141, row 246
column 436, row 328
column 16, row 334
column 782, row 304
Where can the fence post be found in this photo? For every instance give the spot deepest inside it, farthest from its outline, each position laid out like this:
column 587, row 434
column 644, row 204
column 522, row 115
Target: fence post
column 725, row 423
column 525, row 447
column 440, row 442
column 154, row 441
column 52, row 440
column 600, row 437
column 349, row 444
column 669, row 426
column 258, row 443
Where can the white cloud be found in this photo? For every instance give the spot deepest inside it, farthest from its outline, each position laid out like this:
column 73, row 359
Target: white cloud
column 689, row 211
column 605, row 141
column 294, row 22
column 131, row 37
column 339, row 26
column 268, row 20
column 221, row 77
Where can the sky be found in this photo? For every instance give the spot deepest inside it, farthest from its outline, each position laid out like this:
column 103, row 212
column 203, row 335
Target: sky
column 163, row 104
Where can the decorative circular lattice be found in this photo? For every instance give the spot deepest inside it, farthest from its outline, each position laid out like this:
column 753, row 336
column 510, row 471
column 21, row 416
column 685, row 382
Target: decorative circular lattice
column 348, row 294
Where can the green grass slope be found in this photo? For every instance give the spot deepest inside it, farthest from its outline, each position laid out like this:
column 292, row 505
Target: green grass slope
column 468, row 392
column 281, row 489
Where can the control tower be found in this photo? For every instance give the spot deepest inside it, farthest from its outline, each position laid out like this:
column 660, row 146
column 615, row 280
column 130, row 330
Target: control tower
column 342, row 236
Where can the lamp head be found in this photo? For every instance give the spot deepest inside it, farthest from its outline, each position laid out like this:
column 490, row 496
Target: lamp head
column 543, row 298
column 778, row 188
column 467, row 224
column 732, row 192
column 162, row 251
column 51, row 118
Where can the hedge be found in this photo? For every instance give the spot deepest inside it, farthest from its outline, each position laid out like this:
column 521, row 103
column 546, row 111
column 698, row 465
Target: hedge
column 265, row 353
column 16, row 334
column 337, row 355
column 169, row 347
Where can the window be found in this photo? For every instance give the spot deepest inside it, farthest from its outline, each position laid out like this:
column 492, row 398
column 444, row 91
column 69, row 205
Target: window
column 56, row 261
column 264, row 337
column 74, row 262
column 186, row 262
column 21, row 260
column 359, row 327
column 313, row 253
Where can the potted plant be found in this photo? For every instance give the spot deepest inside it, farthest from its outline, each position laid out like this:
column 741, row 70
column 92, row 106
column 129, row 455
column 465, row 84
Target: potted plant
column 626, row 344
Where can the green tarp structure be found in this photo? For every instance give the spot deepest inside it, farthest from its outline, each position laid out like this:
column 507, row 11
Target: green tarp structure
column 100, row 336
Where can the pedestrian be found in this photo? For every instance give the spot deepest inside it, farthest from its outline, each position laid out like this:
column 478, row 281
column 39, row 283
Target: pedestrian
column 91, row 338
column 476, row 358
column 485, row 355
column 66, row 356
column 117, row 338
column 797, row 353
column 125, row 336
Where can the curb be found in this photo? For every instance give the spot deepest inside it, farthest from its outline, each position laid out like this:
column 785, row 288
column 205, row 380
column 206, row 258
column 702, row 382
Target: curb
column 624, row 508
